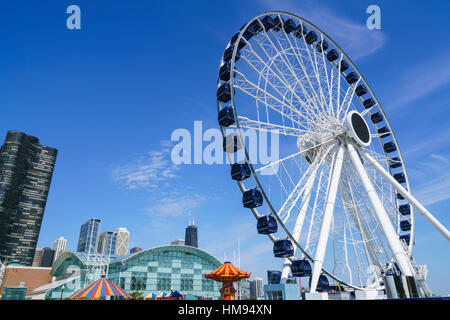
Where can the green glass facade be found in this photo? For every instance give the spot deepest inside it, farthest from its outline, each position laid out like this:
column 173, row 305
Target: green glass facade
column 154, row 270
column 164, row 268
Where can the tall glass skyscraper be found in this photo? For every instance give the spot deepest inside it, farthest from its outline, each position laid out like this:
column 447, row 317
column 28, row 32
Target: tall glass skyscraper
column 191, row 236
column 26, row 169
column 88, row 240
column 107, row 243
column 122, row 237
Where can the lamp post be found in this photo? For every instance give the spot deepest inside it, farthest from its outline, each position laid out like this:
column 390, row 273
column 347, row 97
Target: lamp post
column 62, row 291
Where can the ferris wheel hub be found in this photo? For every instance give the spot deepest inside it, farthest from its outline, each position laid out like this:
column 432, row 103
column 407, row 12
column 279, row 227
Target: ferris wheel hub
column 357, row 128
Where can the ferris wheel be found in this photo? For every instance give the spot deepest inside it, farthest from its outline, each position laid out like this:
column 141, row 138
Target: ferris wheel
column 335, row 201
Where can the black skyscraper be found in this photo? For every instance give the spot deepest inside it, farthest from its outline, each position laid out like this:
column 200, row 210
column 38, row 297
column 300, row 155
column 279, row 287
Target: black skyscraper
column 191, row 236
column 26, row 169
column 47, row 257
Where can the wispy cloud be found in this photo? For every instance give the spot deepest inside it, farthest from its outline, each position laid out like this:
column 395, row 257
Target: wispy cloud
column 353, row 37
column 421, row 80
column 147, row 171
column 176, row 204
column 433, row 175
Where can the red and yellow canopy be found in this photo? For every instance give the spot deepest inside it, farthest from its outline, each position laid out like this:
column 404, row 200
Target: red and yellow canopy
column 100, row 288
column 227, row 273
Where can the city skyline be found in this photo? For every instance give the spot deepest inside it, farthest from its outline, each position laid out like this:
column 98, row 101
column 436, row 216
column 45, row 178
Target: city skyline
column 112, row 126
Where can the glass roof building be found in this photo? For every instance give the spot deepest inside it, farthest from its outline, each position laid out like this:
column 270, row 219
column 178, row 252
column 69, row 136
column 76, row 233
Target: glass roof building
column 153, row 270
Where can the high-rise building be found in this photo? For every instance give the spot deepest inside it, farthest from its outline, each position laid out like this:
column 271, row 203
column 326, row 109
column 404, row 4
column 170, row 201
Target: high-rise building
column 191, row 236
column 256, row 289
column 88, row 240
column 243, row 289
column 59, row 246
column 122, row 237
column 37, row 257
column 107, row 243
column 135, row 250
column 47, row 257
column 26, row 169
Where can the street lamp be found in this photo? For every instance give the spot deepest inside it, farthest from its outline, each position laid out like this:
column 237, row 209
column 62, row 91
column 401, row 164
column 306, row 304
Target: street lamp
column 62, row 290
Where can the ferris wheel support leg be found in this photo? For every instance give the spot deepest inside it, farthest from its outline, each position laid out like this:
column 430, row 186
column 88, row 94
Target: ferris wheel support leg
column 326, row 220
column 426, row 214
column 386, row 226
column 299, row 223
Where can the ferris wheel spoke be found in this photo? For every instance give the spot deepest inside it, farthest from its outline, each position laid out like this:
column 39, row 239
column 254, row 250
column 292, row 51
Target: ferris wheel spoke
column 282, row 103
column 369, row 223
column 359, row 220
column 354, row 245
column 307, row 107
column 247, row 123
column 314, row 65
column 426, row 214
column 320, row 102
column 300, row 218
column 299, row 189
column 326, row 218
column 394, row 243
column 292, row 70
column 301, row 152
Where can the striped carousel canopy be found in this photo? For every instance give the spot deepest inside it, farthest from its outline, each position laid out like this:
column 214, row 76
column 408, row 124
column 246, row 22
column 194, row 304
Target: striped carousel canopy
column 227, row 273
column 100, row 288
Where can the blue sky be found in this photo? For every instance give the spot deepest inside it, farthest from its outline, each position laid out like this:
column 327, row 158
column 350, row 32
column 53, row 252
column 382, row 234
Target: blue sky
column 108, row 97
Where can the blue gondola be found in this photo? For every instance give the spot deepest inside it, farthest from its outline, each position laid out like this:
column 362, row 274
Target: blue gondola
column 400, row 177
column 268, row 23
column 322, row 284
column 267, row 224
column 389, row 147
column 395, row 162
column 376, row 117
column 255, row 27
column 289, row 26
column 343, row 65
column 322, row 45
column 405, row 225
column 383, row 132
column 301, row 268
column 231, row 143
column 368, row 103
column 228, row 54
column 332, row 55
column 311, row 37
column 224, row 71
column 283, row 248
column 241, row 42
column 240, row 171
column 226, row 117
column 277, row 23
column 406, row 238
column 404, row 209
column 360, row 90
column 352, row 77
column 300, row 31
column 224, row 92
column 399, row 196
column 252, row 198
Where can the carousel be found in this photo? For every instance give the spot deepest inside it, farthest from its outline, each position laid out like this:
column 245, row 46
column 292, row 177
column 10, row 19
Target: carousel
column 227, row 274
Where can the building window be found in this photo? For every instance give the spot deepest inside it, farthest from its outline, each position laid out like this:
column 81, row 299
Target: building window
column 138, row 281
column 207, row 285
column 187, row 282
column 164, row 281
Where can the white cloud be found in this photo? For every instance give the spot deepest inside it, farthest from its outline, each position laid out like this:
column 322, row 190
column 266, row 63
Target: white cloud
column 433, row 175
column 147, row 171
column 421, row 80
column 176, row 205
